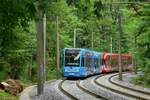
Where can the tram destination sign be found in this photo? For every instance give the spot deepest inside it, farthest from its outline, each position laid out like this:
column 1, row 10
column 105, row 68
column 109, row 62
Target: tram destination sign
column 72, row 51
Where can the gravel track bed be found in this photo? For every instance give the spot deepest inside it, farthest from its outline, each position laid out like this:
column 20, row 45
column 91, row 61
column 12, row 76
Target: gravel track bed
column 91, row 86
column 120, row 90
column 71, row 87
column 51, row 92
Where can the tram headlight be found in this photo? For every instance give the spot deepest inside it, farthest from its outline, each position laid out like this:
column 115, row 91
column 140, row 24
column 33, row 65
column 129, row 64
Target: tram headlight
column 66, row 70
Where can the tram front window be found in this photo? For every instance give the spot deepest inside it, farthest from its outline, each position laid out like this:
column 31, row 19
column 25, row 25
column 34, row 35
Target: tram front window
column 72, row 58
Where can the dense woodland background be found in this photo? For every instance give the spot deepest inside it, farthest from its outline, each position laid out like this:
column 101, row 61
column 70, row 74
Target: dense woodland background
column 18, row 42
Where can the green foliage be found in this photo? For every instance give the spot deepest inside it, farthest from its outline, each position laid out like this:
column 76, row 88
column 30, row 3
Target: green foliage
column 137, row 27
column 51, row 73
column 144, row 37
column 138, row 80
column 14, row 19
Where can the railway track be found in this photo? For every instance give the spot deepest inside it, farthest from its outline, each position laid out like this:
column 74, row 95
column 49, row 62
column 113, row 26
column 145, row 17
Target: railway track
column 100, row 92
column 138, row 95
column 66, row 92
column 123, row 86
column 89, row 92
column 83, row 91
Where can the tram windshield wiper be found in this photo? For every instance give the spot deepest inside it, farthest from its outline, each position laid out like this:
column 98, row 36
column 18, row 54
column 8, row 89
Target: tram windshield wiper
column 77, row 57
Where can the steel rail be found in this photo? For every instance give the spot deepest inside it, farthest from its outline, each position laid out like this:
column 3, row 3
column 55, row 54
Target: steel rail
column 119, row 92
column 133, row 89
column 89, row 92
column 65, row 92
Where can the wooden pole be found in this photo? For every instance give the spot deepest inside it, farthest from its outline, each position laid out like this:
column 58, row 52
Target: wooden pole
column 119, row 48
column 41, row 52
column 134, row 60
column 111, row 9
column 74, row 40
column 30, row 66
column 111, row 44
column 58, row 55
column 44, row 45
column 92, row 41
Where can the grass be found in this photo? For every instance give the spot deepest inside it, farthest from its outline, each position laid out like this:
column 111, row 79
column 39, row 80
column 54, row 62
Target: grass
column 5, row 96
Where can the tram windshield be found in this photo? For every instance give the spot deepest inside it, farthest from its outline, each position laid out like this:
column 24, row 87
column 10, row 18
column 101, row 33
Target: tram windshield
column 72, row 58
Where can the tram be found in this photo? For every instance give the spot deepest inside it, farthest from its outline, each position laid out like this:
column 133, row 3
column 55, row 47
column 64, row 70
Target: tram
column 79, row 62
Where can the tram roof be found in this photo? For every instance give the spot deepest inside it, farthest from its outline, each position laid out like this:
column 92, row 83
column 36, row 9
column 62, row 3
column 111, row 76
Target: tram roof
column 115, row 55
column 84, row 49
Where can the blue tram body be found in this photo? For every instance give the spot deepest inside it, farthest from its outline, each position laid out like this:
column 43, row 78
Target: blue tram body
column 81, row 62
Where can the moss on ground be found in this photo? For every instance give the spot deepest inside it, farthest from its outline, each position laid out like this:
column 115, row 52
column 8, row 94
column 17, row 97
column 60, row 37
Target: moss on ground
column 140, row 80
column 5, row 96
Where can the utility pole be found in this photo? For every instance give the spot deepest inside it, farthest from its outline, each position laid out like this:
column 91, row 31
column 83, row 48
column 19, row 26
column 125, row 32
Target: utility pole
column 111, row 44
column 92, row 41
column 58, row 55
column 41, row 39
column 111, row 9
column 44, row 44
column 74, row 39
column 119, row 48
column 134, row 58
column 30, row 66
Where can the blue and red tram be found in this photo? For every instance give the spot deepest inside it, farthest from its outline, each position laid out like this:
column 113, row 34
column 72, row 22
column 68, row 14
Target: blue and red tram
column 79, row 62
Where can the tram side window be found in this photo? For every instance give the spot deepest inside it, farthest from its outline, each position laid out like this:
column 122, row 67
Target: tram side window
column 96, row 62
column 113, row 63
column 100, row 61
column 82, row 61
column 88, row 61
column 130, row 61
column 109, row 61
